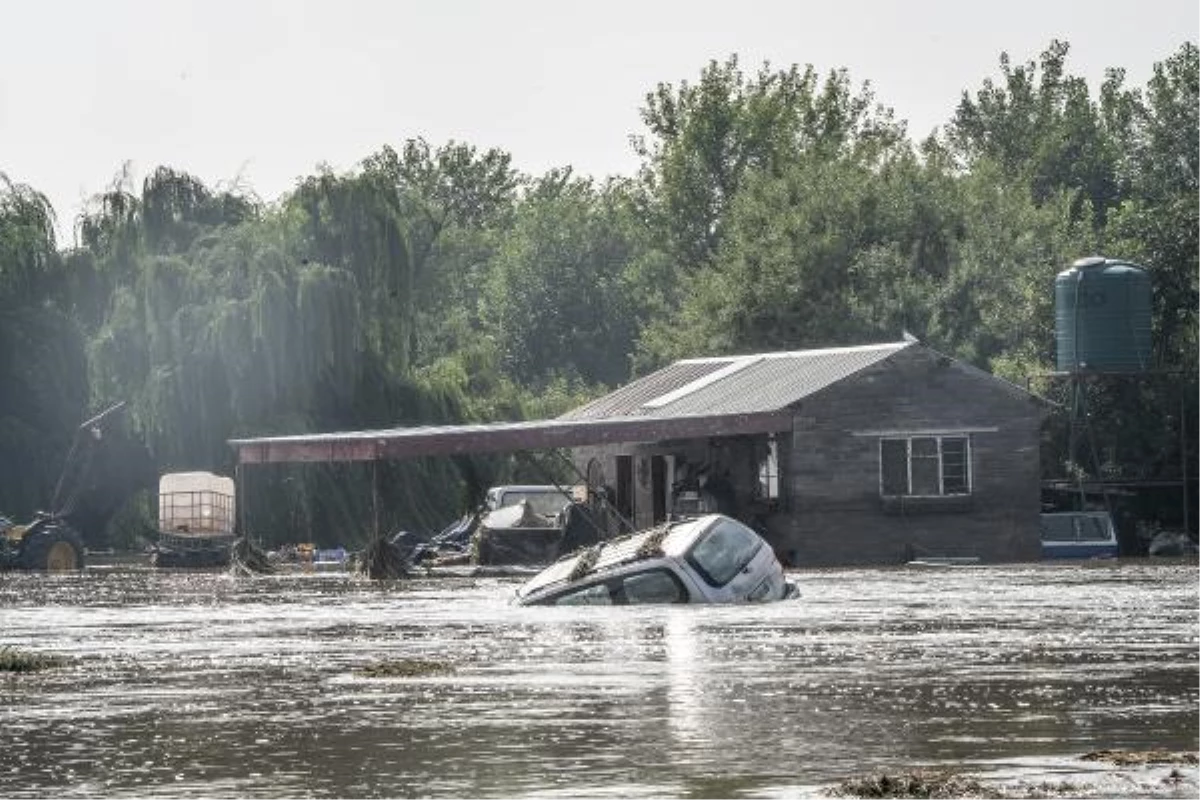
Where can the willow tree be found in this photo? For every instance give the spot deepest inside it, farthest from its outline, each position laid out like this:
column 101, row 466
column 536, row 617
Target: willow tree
column 27, row 243
column 558, row 301
column 42, row 368
column 453, row 202
column 352, row 223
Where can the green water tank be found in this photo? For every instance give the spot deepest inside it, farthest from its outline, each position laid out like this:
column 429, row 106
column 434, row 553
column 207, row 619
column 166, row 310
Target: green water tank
column 1102, row 317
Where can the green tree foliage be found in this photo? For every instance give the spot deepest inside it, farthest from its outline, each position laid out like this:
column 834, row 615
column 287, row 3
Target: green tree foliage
column 450, row 199
column 556, row 298
column 727, row 163
column 27, row 246
column 704, row 138
column 43, row 374
column 1157, row 224
column 434, row 284
column 1042, row 128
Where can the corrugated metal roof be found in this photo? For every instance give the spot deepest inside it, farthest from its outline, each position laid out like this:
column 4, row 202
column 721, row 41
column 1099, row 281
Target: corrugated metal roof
column 736, row 384
column 725, row 396
column 630, row 398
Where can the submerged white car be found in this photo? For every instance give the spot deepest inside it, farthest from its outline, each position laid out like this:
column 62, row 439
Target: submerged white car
column 709, row 559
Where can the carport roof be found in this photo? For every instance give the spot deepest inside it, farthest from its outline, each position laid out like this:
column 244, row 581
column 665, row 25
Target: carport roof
column 399, row 443
column 694, row 398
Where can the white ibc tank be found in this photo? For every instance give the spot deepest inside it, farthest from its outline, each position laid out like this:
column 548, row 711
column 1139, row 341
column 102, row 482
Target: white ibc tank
column 195, row 503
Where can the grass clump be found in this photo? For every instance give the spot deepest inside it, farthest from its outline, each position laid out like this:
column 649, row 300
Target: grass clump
column 13, row 659
column 405, row 668
column 1137, row 758
column 918, row 784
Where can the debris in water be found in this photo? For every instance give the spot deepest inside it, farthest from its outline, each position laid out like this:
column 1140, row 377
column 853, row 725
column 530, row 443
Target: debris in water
column 652, row 547
column 586, row 561
column 15, row 660
column 1136, row 758
column 383, row 560
column 405, row 668
column 246, row 559
column 914, row 784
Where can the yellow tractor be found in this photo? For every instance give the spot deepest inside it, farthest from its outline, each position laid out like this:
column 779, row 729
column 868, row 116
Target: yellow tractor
column 49, row 543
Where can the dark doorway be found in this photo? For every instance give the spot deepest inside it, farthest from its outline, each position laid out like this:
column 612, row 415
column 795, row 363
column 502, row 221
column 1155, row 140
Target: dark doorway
column 658, row 487
column 624, row 500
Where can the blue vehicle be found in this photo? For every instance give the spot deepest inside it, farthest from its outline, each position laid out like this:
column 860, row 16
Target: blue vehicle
column 1078, row 534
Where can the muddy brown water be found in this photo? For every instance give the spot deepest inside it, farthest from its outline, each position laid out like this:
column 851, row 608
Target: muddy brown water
column 205, row 685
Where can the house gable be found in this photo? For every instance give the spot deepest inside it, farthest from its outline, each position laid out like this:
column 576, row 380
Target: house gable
column 841, row 512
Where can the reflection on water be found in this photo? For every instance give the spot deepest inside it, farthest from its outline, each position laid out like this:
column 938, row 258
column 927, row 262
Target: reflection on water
column 202, row 684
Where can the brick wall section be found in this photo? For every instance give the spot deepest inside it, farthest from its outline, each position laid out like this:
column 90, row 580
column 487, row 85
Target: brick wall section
column 837, row 514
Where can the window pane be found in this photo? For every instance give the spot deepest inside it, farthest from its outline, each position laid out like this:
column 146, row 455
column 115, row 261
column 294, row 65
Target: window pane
column 768, row 472
column 652, row 587
column 595, row 595
column 955, row 475
column 547, row 504
column 926, row 480
column 1057, row 528
column 924, row 446
column 723, row 551
column 1092, row 529
column 893, row 465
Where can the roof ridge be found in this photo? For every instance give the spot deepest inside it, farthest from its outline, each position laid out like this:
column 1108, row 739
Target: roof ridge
column 816, row 351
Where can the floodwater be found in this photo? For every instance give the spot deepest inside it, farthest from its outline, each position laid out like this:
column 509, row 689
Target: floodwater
column 203, row 684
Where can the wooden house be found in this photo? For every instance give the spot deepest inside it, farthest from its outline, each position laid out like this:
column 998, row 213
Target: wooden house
column 877, row 454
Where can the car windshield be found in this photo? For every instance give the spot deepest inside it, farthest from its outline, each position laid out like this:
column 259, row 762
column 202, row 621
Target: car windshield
column 648, row 586
column 724, row 551
column 1075, row 528
column 1092, row 529
column 545, row 503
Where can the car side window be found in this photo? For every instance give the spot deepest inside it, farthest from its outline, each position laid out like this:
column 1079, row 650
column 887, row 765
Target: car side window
column 724, row 551
column 595, row 595
column 655, row 586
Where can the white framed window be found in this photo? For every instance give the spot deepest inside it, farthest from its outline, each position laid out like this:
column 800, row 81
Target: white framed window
column 768, row 471
column 925, row 465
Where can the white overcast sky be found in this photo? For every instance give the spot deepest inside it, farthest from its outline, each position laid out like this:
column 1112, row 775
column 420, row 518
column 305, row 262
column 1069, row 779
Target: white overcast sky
column 264, row 91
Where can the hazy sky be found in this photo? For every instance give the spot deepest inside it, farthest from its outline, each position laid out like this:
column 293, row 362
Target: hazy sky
column 264, row 91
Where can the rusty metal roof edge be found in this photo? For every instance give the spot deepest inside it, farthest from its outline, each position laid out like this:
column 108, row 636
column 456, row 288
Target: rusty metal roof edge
column 499, row 436
column 486, row 427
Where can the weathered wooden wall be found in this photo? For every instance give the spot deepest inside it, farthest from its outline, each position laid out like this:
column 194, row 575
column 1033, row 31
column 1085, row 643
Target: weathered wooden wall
column 838, row 516
column 831, row 512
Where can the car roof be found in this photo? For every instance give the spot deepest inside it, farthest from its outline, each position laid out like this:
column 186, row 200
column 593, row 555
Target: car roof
column 671, row 539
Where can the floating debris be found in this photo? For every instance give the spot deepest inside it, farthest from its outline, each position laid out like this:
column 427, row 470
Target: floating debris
column 246, row 559
column 587, row 560
column 652, row 546
column 405, row 668
column 13, row 659
column 383, row 560
column 914, row 784
column 1137, row 758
